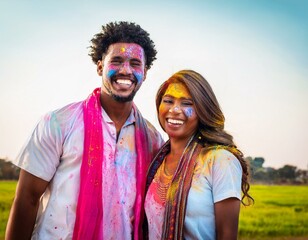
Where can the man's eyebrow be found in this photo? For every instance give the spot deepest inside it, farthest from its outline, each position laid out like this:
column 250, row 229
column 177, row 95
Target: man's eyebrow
column 120, row 58
column 116, row 57
column 136, row 59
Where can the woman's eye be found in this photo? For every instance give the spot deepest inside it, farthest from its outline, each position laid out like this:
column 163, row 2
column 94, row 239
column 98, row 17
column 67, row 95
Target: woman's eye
column 187, row 103
column 167, row 101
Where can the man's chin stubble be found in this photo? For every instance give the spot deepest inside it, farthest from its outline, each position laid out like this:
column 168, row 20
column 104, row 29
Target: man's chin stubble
column 123, row 99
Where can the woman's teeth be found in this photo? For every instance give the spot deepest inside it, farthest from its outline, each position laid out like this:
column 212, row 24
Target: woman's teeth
column 174, row 121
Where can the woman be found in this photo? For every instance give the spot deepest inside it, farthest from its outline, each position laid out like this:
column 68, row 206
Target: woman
column 195, row 182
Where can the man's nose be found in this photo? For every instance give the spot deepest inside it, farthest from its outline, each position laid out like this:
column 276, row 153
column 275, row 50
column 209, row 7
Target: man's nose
column 125, row 68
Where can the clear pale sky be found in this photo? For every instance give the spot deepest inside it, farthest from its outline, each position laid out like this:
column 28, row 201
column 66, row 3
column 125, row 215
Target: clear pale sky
column 253, row 53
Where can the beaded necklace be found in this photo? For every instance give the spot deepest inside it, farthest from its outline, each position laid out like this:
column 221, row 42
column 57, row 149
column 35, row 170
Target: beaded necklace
column 164, row 178
column 163, row 182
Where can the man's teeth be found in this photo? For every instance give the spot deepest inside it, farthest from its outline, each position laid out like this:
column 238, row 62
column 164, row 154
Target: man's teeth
column 124, row 81
column 174, row 121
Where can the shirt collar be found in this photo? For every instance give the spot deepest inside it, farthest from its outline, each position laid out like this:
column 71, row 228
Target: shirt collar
column 130, row 120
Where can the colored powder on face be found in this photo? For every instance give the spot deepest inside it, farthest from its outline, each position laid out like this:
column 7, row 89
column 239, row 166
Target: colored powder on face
column 131, row 51
column 139, row 76
column 176, row 108
column 177, row 90
column 162, row 108
column 188, row 111
column 111, row 73
column 134, row 52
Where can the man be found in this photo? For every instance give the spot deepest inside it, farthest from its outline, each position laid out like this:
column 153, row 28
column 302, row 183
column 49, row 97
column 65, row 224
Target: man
column 83, row 169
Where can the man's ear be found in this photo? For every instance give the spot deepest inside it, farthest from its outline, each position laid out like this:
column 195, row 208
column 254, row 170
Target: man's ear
column 99, row 67
column 145, row 74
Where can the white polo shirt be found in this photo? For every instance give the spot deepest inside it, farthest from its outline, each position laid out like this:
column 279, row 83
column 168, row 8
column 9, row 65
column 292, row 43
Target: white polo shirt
column 54, row 153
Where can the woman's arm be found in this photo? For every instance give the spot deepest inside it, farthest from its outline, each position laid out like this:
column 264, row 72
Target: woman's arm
column 25, row 205
column 226, row 218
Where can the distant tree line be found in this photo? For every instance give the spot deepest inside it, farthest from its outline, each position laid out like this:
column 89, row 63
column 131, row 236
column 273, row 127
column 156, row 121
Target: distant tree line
column 8, row 171
column 287, row 174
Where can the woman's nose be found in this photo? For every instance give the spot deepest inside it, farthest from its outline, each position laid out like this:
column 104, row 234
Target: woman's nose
column 175, row 109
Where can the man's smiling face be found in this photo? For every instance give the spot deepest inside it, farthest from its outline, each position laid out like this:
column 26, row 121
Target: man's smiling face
column 123, row 70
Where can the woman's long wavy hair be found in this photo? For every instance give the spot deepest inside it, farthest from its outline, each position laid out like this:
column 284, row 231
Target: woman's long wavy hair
column 211, row 120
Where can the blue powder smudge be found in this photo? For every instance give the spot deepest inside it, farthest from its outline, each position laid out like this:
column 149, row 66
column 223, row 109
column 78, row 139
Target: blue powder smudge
column 188, row 112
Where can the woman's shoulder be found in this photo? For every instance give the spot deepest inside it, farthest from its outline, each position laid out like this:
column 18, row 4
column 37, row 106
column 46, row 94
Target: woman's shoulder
column 217, row 159
column 217, row 153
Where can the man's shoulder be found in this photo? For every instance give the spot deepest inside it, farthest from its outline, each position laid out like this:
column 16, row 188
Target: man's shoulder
column 71, row 107
column 65, row 114
column 154, row 133
column 150, row 126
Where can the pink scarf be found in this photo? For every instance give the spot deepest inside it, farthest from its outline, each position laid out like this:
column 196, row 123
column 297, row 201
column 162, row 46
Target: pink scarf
column 89, row 214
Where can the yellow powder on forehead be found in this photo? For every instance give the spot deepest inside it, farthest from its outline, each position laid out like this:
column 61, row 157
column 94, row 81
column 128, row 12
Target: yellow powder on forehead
column 122, row 49
column 177, row 90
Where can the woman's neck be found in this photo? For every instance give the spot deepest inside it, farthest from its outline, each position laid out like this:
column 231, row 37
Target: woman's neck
column 177, row 146
column 177, row 150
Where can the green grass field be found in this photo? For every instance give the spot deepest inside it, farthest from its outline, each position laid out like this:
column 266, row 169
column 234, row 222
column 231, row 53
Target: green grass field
column 279, row 212
column 7, row 191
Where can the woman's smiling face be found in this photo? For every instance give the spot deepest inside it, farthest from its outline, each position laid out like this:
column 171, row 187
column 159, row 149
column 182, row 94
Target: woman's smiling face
column 177, row 113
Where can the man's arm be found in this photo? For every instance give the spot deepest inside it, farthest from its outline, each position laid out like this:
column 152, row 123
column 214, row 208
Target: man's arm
column 25, row 205
column 226, row 218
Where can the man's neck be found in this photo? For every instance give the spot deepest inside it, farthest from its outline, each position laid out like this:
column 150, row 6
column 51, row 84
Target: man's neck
column 117, row 111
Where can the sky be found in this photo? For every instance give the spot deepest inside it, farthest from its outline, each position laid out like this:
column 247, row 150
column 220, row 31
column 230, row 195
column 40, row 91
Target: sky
column 253, row 53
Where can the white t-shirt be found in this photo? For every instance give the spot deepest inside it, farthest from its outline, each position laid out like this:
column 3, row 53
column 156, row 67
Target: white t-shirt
column 217, row 176
column 54, row 153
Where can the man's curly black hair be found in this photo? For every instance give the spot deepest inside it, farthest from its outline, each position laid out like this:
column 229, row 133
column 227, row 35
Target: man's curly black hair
column 126, row 32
